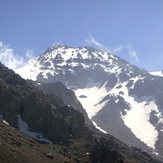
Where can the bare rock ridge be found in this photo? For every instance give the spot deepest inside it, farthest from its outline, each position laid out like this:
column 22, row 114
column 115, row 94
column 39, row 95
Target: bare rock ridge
column 62, row 95
column 23, row 105
column 40, row 112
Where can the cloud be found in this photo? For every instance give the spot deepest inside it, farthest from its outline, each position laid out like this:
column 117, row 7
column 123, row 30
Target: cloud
column 117, row 49
column 91, row 40
column 126, row 49
column 132, row 52
column 12, row 60
column 29, row 53
column 57, row 42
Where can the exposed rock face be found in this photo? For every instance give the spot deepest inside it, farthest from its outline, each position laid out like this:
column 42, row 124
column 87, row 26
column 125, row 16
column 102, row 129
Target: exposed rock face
column 42, row 114
column 63, row 96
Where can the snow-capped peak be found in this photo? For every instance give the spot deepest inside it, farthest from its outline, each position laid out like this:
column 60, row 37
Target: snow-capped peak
column 62, row 59
column 118, row 97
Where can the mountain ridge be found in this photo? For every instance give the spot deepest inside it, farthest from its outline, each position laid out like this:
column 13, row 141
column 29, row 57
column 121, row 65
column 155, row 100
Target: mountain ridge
column 31, row 110
column 120, row 88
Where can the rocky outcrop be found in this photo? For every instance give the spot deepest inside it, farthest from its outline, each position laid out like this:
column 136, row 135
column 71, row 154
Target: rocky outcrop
column 41, row 113
column 62, row 95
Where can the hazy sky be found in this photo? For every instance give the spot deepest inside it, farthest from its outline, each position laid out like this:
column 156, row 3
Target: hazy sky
column 131, row 29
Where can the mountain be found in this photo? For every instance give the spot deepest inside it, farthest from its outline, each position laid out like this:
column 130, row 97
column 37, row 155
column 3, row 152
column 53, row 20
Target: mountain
column 34, row 127
column 120, row 98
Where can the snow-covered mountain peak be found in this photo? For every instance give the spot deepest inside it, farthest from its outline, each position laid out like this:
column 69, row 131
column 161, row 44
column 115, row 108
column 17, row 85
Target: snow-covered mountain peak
column 66, row 53
column 60, row 59
column 118, row 96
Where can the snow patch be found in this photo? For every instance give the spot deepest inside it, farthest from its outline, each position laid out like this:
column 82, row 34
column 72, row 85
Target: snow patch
column 137, row 119
column 134, row 81
column 157, row 73
column 2, row 120
column 23, row 127
column 117, row 100
column 28, row 71
column 99, row 128
column 93, row 96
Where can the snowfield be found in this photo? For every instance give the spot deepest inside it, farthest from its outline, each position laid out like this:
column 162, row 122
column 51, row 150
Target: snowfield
column 157, row 73
column 93, row 94
column 137, row 118
column 23, row 127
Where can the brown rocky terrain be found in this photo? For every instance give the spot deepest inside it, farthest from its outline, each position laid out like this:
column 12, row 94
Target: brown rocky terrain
column 17, row 147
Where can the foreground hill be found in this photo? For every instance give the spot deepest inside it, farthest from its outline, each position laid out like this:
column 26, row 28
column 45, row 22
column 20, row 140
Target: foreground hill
column 17, row 147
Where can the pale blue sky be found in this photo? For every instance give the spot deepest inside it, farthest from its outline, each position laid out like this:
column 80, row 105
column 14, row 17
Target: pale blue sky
column 131, row 29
